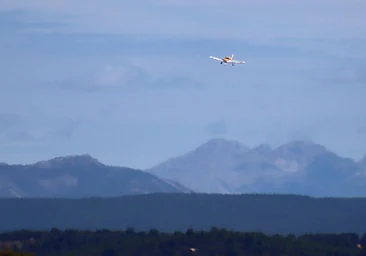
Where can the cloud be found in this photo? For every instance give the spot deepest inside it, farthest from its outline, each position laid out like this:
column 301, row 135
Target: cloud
column 106, row 77
column 259, row 19
column 217, row 128
column 126, row 76
column 25, row 21
column 176, row 82
column 117, row 76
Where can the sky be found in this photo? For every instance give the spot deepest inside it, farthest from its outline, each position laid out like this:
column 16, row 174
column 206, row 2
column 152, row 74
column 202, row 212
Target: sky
column 131, row 83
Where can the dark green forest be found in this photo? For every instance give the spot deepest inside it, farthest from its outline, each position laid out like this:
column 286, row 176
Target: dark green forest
column 214, row 242
column 270, row 214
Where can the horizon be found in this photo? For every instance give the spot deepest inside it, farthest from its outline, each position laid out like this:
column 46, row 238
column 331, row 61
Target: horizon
column 89, row 77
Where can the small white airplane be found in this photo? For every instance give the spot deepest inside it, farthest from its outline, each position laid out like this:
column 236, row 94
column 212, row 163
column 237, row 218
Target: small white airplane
column 228, row 59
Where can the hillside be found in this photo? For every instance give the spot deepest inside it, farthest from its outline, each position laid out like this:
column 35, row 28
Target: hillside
column 298, row 167
column 78, row 176
column 179, row 211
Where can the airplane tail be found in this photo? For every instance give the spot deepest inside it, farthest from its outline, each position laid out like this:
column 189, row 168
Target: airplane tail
column 232, row 56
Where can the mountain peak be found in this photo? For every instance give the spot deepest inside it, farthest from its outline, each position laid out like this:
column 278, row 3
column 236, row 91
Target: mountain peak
column 72, row 160
column 297, row 154
column 303, row 143
column 302, row 147
column 203, row 167
column 262, row 149
column 220, row 144
column 224, row 166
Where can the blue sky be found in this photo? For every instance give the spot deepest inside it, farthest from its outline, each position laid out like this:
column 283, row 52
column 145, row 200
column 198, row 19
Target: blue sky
column 132, row 84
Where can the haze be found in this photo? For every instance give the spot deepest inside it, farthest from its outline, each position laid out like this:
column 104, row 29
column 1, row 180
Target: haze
column 131, row 84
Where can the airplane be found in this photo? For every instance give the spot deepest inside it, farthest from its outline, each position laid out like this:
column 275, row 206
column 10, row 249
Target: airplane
column 228, row 59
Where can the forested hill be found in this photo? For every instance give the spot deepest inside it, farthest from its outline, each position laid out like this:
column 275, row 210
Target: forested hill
column 171, row 212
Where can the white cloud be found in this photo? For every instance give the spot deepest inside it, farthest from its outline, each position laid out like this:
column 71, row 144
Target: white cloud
column 126, row 76
column 111, row 76
column 106, row 77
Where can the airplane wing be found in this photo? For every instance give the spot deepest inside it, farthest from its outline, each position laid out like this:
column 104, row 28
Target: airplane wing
column 238, row 61
column 215, row 58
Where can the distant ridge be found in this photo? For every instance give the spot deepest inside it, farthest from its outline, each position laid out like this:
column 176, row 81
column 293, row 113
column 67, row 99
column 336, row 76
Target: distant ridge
column 226, row 166
column 68, row 161
column 217, row 166
column 79, row 176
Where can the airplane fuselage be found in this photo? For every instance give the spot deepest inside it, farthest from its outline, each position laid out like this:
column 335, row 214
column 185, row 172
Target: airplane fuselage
column 227, row 59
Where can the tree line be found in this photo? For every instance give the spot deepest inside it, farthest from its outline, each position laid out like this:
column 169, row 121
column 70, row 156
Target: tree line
column 191, row 242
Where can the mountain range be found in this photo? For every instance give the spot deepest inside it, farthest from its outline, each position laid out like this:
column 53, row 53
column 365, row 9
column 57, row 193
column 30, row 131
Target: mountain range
column 218, row 166
column 298, row 167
